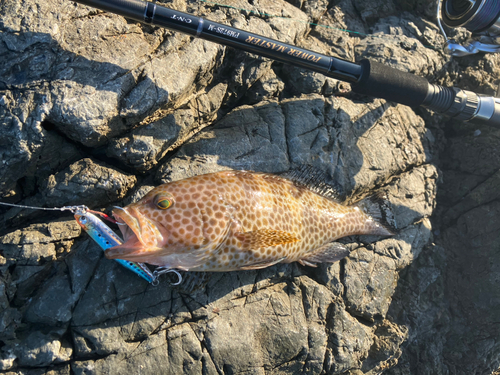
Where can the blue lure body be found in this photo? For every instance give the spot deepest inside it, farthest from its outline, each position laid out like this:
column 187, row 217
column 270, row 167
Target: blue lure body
column 106, row 238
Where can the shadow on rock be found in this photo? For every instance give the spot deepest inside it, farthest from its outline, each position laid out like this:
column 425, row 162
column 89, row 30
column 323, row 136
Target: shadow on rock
column 67, row 84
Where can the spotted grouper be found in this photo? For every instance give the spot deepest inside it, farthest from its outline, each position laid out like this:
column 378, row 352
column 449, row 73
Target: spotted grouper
column 240, row 220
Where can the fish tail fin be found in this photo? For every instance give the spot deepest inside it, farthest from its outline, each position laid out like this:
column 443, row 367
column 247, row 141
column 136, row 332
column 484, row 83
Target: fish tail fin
column 378, row 208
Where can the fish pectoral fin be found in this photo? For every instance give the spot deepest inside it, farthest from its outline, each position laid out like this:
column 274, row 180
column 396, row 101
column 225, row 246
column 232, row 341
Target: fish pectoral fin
column 264, row 238
column 263, row 264
column 331, row 252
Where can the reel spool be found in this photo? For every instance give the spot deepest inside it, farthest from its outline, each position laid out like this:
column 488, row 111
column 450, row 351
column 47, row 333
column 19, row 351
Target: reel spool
column 481, row 17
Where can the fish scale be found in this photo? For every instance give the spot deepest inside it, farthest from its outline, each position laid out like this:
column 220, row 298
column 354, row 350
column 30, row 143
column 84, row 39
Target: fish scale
column 236, row 220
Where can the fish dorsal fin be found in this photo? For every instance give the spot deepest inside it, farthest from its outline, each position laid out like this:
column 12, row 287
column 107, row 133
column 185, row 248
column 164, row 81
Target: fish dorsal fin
column 316, row 180
column 264, row 238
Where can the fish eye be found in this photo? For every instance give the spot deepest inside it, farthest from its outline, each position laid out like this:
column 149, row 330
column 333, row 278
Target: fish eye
column 163, row 203
column 83, row 220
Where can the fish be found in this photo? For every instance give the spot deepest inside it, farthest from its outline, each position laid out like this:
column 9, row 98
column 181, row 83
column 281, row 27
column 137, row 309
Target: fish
column 242, row 220
column 106, row 239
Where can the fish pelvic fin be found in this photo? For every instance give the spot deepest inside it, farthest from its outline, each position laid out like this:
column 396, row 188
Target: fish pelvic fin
column 331, row 252
column 378, row 208
column 264, row 238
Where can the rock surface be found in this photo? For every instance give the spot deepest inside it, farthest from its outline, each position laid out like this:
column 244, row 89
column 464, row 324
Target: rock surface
column 97, row 110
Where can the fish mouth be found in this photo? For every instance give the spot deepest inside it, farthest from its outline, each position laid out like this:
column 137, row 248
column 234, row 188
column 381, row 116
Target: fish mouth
column 140, row 235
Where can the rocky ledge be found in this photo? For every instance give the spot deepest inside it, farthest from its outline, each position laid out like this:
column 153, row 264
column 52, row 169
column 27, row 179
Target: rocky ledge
column 96, row 110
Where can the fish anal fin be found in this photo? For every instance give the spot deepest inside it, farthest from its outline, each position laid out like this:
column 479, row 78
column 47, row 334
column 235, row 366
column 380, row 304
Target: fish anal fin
column 263, row 264
column 331, row 252
column 264, row 238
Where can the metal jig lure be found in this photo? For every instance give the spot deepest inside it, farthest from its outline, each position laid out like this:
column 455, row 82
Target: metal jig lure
column 105, row 238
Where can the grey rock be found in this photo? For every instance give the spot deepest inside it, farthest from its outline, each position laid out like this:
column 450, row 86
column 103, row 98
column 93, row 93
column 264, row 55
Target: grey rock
column 7, row 360
column 401, row 42
column 26, row 148
column 144, row 147
column 30, row 245
column 370, row 282
column 334, row 36
column 421, row 179
column 248, row 136
column 386, row 347
column 304, row 81
column 40, row 349
column 478, row 194
column 267, row 87
column 54, row 301
column 52, row 305
column 372, row 11
column 10, row 318
column 167, row 107
column 334, row 132
column 86, row 182
column 315, row 9
column 182, row 341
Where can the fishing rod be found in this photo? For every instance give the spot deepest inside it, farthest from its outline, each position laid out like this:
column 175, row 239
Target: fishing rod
column 366, row 77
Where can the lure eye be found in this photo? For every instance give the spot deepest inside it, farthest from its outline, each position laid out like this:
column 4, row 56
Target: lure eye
column 83, row 220
column 163, row 203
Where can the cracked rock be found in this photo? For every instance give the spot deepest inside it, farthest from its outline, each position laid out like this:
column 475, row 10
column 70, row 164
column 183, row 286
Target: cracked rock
column 86, row 182
column 40, row 350
column 98, row 109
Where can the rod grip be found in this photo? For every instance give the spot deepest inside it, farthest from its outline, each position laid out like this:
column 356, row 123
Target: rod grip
column 382, row 81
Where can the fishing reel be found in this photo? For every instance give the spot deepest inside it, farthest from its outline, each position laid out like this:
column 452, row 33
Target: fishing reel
column 481, row 17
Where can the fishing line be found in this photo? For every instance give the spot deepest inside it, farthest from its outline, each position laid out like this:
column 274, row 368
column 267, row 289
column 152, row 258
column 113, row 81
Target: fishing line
column 80, row 209
column 73, row 209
